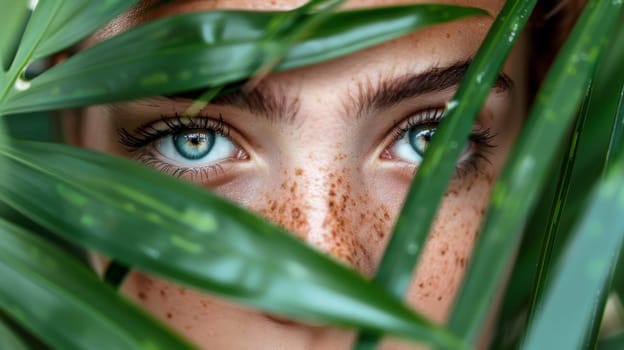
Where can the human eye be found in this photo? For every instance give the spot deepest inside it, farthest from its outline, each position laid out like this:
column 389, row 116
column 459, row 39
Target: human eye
column 412, row 136
column 195, row 148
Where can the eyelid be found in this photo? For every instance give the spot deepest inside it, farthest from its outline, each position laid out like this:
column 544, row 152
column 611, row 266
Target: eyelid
column 166, row 125
column 423, row 117
column 480, row 139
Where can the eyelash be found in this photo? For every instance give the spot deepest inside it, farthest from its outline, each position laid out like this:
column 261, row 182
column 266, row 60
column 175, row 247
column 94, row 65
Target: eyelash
column 135, row 143
column 480, row 139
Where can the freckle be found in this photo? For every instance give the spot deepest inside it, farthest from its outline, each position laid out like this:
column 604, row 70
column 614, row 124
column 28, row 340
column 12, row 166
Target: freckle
column 298, row 171
column 448, row 35
column 203, row 303
column 162, row 293
column 332, row 193
column 182, row 291
column 421, row 285
column 296, row 213
column 142, row 296
column 439, row 298
column 169, row 315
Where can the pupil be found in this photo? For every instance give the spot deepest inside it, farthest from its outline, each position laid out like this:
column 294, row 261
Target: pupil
column 194, row 144
column 419, row 139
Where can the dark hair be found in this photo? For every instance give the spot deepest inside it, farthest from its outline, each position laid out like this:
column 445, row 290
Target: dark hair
column 550, row 25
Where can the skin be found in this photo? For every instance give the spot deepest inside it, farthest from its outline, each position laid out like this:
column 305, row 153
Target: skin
column 326, row 173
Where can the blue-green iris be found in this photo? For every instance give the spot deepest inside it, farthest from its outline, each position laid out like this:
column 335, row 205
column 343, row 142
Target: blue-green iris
column 419, row 139
column 194, row 144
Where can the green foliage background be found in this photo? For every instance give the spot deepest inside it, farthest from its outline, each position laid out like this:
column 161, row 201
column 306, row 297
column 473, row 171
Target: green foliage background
column 565, row 180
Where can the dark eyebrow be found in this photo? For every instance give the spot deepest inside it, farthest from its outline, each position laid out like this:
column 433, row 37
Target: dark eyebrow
column 389, row 92
column 269, row 101
column 273, row 103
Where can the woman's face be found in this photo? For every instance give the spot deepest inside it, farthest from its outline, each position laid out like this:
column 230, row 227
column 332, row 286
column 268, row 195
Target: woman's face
column 328, row 152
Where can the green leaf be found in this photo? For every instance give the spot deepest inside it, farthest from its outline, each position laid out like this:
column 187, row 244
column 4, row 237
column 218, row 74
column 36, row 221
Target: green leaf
column 617, row 132
column 52, row 26
column 616, row 141
column 10, row 340
column 432, row 178
column 57, row 24
column 13, row 19
column 516, row 192
column 354, row 30
column 568, row 169
column 56, row 298
column 208, row 49
column 75, row 20
column 581, row 282
column 589, row 163
column 173, row 229
column 306, row 25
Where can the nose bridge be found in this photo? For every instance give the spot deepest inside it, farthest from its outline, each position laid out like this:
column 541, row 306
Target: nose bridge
column 320, row 204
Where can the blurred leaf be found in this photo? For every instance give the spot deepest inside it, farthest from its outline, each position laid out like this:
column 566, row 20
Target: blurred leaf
column 617, row 132
column 589, row 162
column 514, row 312
column 52, row 26
column 580, row 284
column 522, row 180
column 33, row 126
column 568, row 168
column 594, row 143
column 208, row 49
column 9, row 340
column 74, row 20
column 616, row 141
column 173, row 229
column 306, row 25
column 47, row 286
column 13, row 18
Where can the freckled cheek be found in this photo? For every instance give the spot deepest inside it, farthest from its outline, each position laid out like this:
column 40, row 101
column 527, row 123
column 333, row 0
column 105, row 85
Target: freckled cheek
column 286, row 205
column 448, row 249
column 202, row 318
